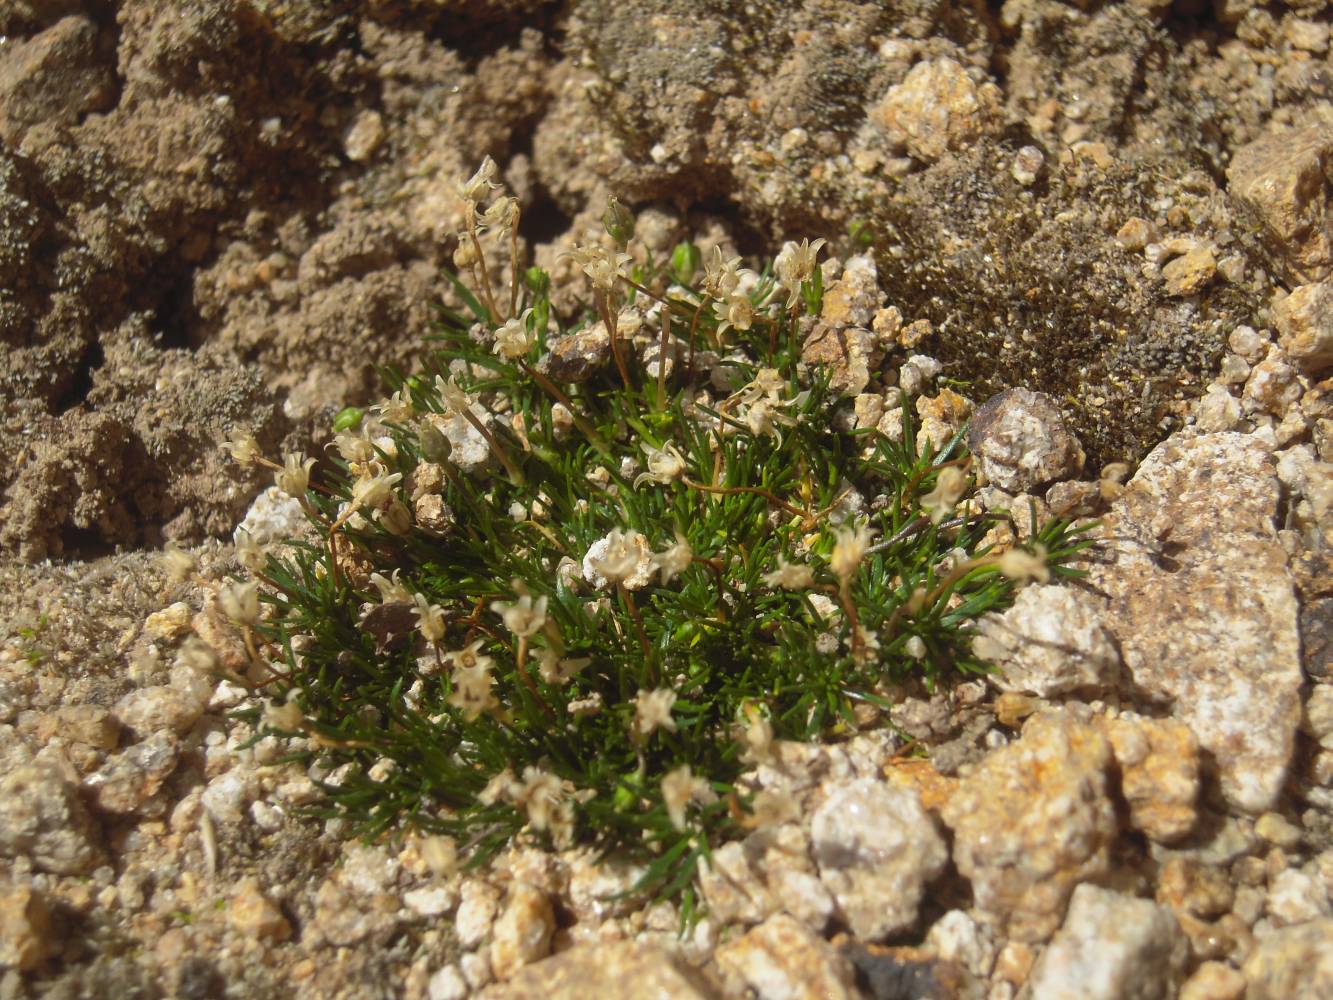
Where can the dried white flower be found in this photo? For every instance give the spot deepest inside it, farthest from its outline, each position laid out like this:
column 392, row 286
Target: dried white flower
column 249, row 553
column 243, row 448
column 179, row 563
column 849, row 548
column 1023, row 567
column 513, row 339
column 240, row 602
column 472, row 691
column 557, row 670
column 665, row 464
column 294, row 476
column 430, row 619
column 390, row 589
column 623, row 557
column 675, row 560
column 792, row 576
column 373, row 490
column 602, row 267
column 679, row 788
column 721, row 276
column 501, row 216
column 652, row 710
column 524, row 617
column 454, row 398
column 794, row 265
column 736, row 311
column 950, row 486
column 476, row 187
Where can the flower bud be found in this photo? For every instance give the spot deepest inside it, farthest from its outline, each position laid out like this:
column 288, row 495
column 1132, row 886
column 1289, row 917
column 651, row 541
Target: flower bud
column 619, row 221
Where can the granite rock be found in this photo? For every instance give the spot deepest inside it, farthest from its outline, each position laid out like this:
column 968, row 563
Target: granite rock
column 1304, row 321
column 1206, row 616
column 781, row 959
column 877, row 849
column 1052, row 641
column 1112, row 947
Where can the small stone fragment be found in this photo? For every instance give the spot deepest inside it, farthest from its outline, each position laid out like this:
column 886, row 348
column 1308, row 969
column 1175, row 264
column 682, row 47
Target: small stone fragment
column 42, row 816
column 1136, row 234
column 1190, row 273
column 956, row 937
column 169, row 624
column 522, row 934
column 1034, row 820
column 937, row 108
column 782, row 960
column 1021, row 439
column 1213, row 981
column 1110, row 947
column 256, row 916
column 129, row 780
column 876, row 849
column 1027, row 165
column 1304, row 321
column 576, row 357
column 364, row 136
column 854, row 297
column 1190, row 887
column 1051, row 641
column 27, row 938
column 154, row 709
column 849, row 354
column 1295, row 897
column 941, row 417
column 447, row 984
column 1159, row 775
column 476, row 912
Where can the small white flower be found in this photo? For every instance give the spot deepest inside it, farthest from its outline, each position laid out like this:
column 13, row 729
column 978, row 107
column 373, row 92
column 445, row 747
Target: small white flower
column 500, row 216
column 665, row 464
column 736, row 311
column 243, row 448
column 849, row 548
column 354, row 448
column 794, row 265
column 503, row 787
column 675, row 560
column 1023, row 567
column 543, row 796
column 476, row 187
column 792, row 576
column 558, row 670
column 398, row 408
column 468, row 658
column 949, row 488
column 602, row 267
column 286, row 717
column 390, row 589
column 621, row 557
column 652, row 710
column 524, row 617
column 513, row 339
column 758, row 736
column 472, row 691
column 371, row 491
column 430, row 619
column 679, row 788
column 455, row 399
column 240, row 602
column 721, row 276
column 294, row 476
column 179, row 563
column 249, row 553
column 395, row 518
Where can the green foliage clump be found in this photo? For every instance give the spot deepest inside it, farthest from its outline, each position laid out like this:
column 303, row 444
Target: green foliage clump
column 591, row 636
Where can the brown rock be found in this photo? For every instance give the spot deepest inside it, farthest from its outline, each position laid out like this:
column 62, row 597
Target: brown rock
column 606, row 971
column 57, row 75
column 1021, row 439
column 43, row 817
column 26, row 936
column 1292, row 963
column 1282, row 180
column 848, row 354
column 522, row 934
column 576, row 357
column 1304, row 321
column 1189, row 886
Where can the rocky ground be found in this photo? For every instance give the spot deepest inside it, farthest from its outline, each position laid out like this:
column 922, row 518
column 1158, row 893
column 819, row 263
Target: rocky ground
column 219, row 215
